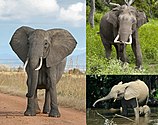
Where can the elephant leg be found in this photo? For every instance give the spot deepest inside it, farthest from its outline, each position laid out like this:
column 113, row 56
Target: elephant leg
column 108, row 49
column 30, row 111
column 122, row 50
column 136, row 107
column 124, row 108
column 46, row 107
column 137, row 52
column 54, row 112
column 36, row 104
column 136, row 112
column 107, row 46
column 117, row 51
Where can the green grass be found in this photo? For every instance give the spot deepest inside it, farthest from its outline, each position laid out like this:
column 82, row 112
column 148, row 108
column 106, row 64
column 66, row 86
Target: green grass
column 98, row 64
column 71, row 89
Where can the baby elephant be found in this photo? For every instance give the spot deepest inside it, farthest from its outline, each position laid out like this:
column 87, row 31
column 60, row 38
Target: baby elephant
column 145, row 110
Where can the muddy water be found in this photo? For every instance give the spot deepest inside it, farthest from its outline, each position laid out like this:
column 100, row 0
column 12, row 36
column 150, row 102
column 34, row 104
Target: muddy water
column 105, row 117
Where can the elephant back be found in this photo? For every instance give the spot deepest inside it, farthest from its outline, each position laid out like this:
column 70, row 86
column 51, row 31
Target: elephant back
column 140, row 90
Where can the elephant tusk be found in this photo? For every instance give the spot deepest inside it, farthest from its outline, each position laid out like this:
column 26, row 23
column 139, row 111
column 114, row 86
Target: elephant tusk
column 130, row 40
column 114, row 100
column 26, row 62
column 38, row 68
column 114, row 4
column 95, row 103
column 116, row 39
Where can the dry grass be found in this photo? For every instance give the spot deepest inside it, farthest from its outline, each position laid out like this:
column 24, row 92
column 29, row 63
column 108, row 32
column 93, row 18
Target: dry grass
column 71, row 88
column 72, row 91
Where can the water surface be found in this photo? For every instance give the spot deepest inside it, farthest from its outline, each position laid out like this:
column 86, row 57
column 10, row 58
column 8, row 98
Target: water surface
column 103, row 117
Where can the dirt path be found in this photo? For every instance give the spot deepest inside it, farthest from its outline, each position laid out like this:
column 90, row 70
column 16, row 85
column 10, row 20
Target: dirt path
column 12, row 108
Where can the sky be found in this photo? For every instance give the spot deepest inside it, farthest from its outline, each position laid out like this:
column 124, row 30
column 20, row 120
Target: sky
column 42, row 14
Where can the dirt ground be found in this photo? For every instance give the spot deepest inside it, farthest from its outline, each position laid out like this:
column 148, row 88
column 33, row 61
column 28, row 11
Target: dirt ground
column 13, row 107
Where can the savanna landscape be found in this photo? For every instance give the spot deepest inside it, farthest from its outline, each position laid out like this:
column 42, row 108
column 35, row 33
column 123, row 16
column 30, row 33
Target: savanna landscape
column 96, row 61
column 71, row 99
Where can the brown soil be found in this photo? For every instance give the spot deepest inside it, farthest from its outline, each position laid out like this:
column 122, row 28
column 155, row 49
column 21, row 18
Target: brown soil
column 12, row 108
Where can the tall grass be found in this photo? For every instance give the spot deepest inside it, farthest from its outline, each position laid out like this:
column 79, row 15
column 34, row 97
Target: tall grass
column 98, row 64
column 70, row 89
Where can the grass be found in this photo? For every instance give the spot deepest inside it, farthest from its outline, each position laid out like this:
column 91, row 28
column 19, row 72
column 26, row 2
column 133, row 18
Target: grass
column 71, row 88
column 98, row 64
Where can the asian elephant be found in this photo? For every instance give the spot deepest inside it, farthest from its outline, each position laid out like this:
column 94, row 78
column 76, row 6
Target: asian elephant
column 43, row 53
column 119, row 27
column 132, row 94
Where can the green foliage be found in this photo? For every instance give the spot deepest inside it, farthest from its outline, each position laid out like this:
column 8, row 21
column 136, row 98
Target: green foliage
column 150, row 7
column 97, row 17
column 99, row 5
column 148, row 35
column 98, row 64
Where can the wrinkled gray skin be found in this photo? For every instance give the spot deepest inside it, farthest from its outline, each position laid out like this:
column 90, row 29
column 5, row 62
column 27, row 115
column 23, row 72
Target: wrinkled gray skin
column 123, row 21
column 52, row 47
column 132, row 94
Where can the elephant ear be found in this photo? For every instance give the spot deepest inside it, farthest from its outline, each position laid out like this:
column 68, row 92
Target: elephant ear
column 19, row 42
column 112, row 16
column 62, row 45
column 141, row 18
column 131, row 92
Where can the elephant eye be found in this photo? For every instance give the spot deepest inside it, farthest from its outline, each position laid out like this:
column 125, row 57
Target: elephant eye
column 133, row 20
column 27, row 43
column 46, row 44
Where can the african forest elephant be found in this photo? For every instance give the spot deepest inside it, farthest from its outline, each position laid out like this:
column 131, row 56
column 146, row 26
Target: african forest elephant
column 119, row 27
column 43, row 53
column 132, row 94
column 144, row 110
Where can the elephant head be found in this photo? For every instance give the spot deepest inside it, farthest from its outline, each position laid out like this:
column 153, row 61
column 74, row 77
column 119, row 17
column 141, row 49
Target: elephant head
column 33, row 46
column 136, row 89
column 125, row 20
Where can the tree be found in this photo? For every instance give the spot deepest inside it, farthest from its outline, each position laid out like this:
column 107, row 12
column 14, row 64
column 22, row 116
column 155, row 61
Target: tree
column 91, row 15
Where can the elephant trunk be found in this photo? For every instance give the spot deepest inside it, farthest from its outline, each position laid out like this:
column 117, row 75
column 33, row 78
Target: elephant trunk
column 32, row 86
column 102, row 99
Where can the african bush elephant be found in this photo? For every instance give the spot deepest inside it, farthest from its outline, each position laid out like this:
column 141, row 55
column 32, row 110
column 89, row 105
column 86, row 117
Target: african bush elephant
column 43, row 53
column 132, row 94
column 119, row 27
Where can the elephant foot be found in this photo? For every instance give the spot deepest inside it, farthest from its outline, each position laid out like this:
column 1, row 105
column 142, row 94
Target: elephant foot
column 46, row 111
column 140, row 68
column 29, row 113
column 54, row 113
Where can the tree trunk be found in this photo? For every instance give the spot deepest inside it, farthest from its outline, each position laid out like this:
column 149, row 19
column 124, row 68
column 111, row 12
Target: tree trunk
column 91, row 15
